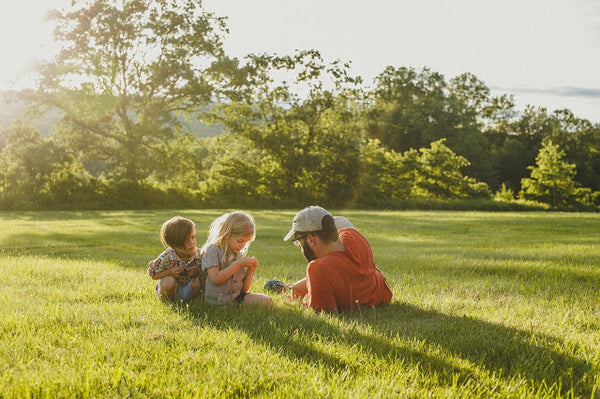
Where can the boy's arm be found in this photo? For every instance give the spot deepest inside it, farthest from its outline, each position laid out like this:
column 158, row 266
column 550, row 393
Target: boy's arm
column 174, row 271
column 159, row 268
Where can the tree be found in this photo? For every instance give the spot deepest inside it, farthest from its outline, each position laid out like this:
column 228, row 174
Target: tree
column 410, row 109
column 580, row 141
column 386, row 177
column 551, row 181
column 439, row 175
column 125, row 72
column 27, row 164
column 303, row 126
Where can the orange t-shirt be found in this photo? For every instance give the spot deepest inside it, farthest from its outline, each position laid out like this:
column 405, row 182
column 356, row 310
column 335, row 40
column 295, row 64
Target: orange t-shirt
column 345, row 279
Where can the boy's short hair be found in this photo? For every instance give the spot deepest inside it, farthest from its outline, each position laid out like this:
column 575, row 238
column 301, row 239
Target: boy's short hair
column 175, row 232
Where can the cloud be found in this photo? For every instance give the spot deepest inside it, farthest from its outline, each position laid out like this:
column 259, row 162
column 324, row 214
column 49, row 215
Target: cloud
column 564, row 91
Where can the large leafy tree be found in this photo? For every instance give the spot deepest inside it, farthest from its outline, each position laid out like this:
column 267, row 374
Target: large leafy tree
column 580, row 140
column 517, row 146
column 410, row 109
column 126, row 71
column 299, row 118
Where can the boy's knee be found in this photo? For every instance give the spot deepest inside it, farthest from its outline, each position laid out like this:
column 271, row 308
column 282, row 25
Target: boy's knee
column 197, row 288
column 168, row 288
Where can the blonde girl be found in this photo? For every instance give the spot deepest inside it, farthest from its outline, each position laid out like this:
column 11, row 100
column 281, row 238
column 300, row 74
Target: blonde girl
column 230, row 272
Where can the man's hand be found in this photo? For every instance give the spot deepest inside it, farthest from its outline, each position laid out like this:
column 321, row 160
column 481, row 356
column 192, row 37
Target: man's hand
column 300, row 289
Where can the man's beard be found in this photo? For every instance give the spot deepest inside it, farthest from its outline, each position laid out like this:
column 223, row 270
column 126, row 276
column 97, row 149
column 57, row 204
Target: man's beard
column 308, row 253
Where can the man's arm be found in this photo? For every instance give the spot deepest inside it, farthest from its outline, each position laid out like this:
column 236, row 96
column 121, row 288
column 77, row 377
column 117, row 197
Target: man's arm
column 299, row 289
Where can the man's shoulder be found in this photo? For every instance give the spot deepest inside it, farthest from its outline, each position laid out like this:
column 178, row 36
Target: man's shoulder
column 351, row 233
column 354, row 240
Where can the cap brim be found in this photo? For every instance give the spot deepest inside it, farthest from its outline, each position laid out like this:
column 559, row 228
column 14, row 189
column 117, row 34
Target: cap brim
column 289, row 235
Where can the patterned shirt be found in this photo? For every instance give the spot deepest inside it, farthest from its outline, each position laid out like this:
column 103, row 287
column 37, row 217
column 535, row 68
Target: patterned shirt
column 169, row 259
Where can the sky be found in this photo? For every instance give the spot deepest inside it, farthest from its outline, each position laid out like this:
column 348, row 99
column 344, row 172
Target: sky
column 544, row 52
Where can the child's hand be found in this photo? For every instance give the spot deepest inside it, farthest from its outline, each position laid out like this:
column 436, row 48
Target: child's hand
column 251, row 263
column 193, row 271
column 177, row 271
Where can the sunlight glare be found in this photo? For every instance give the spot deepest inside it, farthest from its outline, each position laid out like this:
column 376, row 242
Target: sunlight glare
column 24, row 38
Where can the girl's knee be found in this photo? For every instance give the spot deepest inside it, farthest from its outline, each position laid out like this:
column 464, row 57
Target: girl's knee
column 258, row 299
column 267, row 301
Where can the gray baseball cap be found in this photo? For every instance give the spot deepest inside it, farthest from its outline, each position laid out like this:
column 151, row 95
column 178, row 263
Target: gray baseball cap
column 309, row 219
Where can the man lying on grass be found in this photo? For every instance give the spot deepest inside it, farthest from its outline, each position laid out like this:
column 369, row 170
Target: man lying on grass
column 341, row 273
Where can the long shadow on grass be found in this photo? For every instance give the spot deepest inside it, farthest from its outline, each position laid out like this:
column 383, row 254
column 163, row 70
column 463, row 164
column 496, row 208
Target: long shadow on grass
column 296, row 335
column 504, row 351
column 397, row 333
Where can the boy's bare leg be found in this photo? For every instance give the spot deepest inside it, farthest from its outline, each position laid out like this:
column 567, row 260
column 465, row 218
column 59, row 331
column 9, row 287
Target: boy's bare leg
column 168, row 289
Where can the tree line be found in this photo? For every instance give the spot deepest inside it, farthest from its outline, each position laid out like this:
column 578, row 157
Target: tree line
column 298, row 129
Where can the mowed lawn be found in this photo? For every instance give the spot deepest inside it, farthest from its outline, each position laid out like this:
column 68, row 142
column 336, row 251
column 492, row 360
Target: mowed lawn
column 485, row 305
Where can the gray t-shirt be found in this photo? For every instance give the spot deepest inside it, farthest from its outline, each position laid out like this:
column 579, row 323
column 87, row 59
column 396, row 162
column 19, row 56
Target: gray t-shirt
column 230, row 289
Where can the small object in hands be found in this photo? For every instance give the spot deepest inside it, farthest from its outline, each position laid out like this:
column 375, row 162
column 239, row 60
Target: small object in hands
column 275, row 285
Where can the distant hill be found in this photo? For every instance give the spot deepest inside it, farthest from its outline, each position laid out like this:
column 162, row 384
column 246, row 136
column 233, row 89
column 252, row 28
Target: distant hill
column 200, row 129
column 11, row 111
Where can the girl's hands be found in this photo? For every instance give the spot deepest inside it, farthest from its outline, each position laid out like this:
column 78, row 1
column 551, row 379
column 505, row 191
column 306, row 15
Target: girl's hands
column 251, row 263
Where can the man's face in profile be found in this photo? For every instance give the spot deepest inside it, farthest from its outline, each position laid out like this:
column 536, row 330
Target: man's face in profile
column 306, row 250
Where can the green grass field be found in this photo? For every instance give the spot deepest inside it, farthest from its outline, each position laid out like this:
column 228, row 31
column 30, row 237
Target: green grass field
column 485, row 305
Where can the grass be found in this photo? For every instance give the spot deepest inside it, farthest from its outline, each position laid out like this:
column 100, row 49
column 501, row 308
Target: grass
column 485, row 305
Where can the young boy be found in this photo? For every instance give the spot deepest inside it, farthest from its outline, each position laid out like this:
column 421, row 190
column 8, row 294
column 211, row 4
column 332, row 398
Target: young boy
column 178, row 268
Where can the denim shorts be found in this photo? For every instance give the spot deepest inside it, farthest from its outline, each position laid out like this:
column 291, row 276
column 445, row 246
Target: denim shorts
column 184, row 293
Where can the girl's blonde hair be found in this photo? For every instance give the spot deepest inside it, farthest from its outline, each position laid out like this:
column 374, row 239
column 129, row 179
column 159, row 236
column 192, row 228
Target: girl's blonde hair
column 234, row 224
column 175, row 232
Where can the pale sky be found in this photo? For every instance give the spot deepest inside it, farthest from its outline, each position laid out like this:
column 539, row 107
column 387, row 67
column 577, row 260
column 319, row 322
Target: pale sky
column 544, row 52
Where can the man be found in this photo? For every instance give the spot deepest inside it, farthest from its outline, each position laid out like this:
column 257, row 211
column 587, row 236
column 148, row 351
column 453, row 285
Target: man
column 341, row 273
